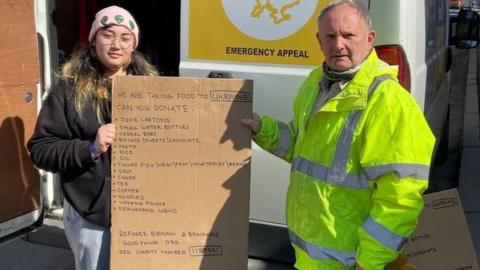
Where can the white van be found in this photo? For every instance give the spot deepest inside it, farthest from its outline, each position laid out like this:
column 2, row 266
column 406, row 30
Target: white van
column 273, row 43
column 270, row 41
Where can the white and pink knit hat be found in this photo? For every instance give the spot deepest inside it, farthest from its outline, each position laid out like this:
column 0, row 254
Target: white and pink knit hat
column 114, row 15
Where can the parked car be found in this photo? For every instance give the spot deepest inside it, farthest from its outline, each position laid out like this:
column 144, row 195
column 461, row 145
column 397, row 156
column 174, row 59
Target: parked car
column 455, row 4
column 474, row 5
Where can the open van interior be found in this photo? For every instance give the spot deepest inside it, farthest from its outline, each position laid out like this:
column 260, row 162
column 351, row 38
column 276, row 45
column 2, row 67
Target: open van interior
column 159, row 23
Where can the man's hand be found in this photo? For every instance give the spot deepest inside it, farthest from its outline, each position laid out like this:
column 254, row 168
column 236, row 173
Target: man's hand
column 105, row 137
column 400, row 263
column 254, row 124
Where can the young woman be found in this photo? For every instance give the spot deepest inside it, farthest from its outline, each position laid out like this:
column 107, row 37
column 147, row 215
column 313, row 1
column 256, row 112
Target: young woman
column 74, row 131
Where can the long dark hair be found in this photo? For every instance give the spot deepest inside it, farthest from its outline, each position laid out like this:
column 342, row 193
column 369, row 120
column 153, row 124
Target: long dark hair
column 91, row 82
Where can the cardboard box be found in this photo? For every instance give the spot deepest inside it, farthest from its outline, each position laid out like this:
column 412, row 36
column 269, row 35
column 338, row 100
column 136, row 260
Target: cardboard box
column 442, row 238
column 180, row 173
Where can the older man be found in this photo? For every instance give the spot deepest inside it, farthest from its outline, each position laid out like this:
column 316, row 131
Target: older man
column 360, row 151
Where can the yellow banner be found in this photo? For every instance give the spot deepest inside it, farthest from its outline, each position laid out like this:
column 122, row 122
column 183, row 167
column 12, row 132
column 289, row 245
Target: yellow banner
column 261, row 31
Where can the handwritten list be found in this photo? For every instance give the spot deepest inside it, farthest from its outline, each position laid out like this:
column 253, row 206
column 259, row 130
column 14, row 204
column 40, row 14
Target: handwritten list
column 180, row 173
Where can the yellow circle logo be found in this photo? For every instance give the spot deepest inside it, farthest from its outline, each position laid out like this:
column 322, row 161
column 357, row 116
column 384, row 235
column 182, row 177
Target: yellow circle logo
column 269, row 19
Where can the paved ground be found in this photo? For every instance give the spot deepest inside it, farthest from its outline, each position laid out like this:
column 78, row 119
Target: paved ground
column 23, row 255
column 47, row 249
column 469, row 179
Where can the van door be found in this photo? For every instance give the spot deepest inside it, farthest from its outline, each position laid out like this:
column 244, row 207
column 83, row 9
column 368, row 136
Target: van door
column 20, row 196
column 437, row 87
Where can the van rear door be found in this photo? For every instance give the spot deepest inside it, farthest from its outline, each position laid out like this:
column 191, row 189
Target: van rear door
column 20, row 196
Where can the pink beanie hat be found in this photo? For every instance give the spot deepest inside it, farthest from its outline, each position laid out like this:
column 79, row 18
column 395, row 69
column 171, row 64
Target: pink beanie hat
column 114, row 15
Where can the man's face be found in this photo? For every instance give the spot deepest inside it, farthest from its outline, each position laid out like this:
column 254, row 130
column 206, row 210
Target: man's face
column 344, row 38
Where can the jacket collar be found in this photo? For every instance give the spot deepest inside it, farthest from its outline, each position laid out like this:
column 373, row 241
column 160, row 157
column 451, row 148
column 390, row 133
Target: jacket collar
column 355, row 94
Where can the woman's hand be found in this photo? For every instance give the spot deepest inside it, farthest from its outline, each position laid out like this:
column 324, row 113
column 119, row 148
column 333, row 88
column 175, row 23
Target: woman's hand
column 105, row 137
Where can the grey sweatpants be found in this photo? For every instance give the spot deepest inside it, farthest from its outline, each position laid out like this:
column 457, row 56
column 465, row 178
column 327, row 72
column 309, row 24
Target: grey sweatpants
column 90, row 243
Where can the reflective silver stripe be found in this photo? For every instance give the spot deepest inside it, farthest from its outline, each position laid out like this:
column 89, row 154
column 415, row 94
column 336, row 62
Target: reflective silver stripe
column 383, row 235
column 284, row 141
column 337, row 174
column 376, row 82
column 323, row 253
column 401, row 170
column 328, row 174
column 345, row 141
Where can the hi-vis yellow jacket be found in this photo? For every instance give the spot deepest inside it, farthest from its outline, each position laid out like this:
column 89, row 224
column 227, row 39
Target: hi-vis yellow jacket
column 359, row 166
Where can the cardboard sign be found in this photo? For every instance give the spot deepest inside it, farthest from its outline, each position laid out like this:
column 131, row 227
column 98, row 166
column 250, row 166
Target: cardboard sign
column 274, row 31
column 442, row 239
column 180, row 173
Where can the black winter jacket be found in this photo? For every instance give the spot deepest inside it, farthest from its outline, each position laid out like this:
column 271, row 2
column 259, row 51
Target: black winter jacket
column 61, row 143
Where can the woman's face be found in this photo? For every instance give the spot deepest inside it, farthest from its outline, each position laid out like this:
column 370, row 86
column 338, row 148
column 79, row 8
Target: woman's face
column 114, row 47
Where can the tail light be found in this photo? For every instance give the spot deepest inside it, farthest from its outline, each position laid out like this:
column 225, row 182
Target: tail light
column 394, row 55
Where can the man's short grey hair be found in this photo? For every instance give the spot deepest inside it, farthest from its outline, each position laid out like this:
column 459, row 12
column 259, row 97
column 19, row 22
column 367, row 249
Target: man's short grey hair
column 361, row 9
